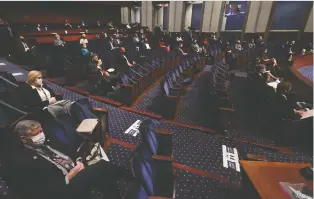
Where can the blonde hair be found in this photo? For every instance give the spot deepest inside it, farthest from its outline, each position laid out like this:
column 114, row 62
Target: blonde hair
column 32, row 76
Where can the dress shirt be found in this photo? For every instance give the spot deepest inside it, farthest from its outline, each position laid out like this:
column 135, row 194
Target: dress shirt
column 44, row 94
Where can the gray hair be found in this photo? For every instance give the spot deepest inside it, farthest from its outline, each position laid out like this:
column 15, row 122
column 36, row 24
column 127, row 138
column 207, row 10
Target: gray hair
column 25, row 127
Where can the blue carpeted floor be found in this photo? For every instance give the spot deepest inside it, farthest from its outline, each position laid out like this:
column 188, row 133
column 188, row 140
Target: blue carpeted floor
column 191, row 147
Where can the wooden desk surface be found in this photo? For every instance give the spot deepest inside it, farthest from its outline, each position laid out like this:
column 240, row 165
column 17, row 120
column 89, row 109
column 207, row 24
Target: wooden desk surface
column 299, row 62
column 265, row 176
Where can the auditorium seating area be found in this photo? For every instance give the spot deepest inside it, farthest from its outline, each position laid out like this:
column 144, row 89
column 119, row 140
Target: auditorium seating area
column 181, row 124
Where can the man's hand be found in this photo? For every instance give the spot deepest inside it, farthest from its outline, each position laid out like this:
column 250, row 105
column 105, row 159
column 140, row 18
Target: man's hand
column 106, row 74
column 79, row 167
column 299, row 112
column 52, row 100
column 134, row 62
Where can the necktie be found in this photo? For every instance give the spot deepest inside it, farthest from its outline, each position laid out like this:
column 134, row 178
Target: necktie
column 65, row 163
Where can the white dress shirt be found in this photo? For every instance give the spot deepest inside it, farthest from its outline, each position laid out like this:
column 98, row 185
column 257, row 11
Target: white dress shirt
column 43, row 93
column 26, row 48
column 83, row 41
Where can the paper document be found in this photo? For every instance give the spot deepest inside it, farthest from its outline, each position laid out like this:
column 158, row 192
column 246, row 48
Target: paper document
column 308, row 113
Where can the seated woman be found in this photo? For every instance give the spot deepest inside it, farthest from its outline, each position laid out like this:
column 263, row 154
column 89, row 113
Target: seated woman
column 35, row 95
column 107, row 82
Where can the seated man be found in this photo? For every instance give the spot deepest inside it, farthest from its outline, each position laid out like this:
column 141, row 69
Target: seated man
column 38, row 28
column 116, row 40
column 180, row 50
column 41, row 170
column 238, row 46
column 108, row 82
column 145, row 46
column 111, row 45
column 136, row 39
column 285, row 107
column 67, row 25
column 58, row 42
column 123, row 61
column 195, row 47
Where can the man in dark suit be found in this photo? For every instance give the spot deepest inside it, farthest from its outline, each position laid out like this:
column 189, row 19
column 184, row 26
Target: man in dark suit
column 108, row 82
column 39, row 170
column 123, row 61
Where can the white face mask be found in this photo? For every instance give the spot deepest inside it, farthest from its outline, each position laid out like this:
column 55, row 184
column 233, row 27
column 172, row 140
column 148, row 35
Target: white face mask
column 39, row 139
column 39, row 82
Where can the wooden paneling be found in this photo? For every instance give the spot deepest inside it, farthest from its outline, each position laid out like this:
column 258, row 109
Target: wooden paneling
column 57, row 12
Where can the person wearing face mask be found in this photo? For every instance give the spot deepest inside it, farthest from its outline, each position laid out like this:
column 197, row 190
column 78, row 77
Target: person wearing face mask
column 123, row 61
column 195, row 47
column 83, row 39
column 108, row 82
column 34, row 94
column 41, row 169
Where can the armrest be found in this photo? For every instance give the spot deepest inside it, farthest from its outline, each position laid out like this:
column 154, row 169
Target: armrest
column 163, row 131
column 59, row 96
column 87, row 126
column 163, row 158
column 226, row 109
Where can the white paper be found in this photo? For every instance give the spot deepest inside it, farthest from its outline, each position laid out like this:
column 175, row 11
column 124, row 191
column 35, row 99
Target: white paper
column 273, row 84
column 2, row 64
column 110, row 70
column 308, row 113
column 134, row 128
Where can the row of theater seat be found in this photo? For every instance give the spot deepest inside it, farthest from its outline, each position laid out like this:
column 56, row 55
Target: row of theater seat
column 151, row 164
column 151, row 161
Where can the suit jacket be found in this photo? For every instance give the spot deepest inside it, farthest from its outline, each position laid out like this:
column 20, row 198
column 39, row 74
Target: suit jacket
column 28, row 99
column 284, row 107
column 92, row 68
column 34, row 177
column 122, row 62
